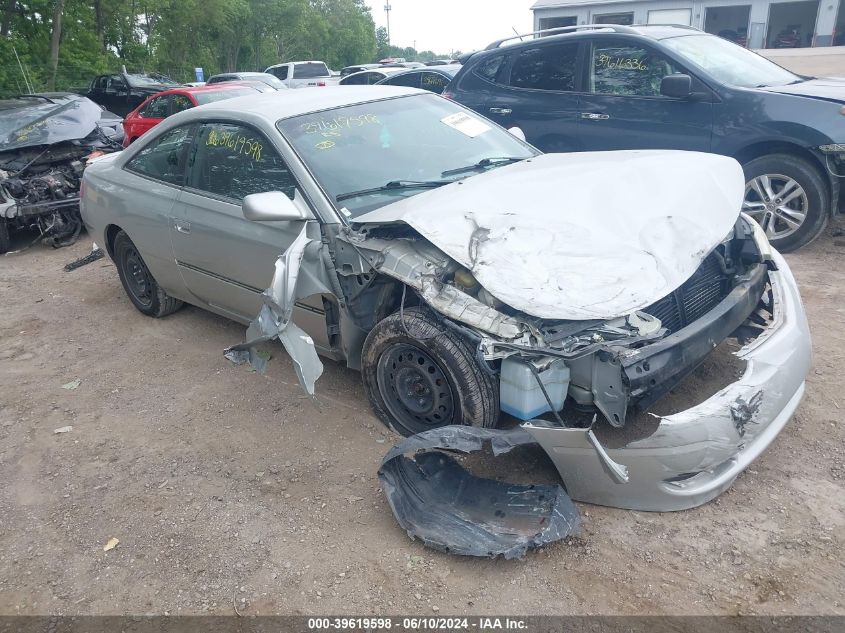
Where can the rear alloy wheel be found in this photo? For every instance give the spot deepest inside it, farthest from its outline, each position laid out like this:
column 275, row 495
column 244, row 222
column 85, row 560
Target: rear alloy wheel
column 138, row 282
column 420, row 375
column 787, row 196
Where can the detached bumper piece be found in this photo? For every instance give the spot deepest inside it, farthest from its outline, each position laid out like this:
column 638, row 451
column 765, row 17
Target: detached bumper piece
column 437, row 501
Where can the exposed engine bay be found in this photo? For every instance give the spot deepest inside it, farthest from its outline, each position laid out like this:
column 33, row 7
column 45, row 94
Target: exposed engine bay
column 607, row 366
column 45, row 143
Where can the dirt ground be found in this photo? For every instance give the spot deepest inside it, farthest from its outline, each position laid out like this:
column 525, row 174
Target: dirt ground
column 228, row 489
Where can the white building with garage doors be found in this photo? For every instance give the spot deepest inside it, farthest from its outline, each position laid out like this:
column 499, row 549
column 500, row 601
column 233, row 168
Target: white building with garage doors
column 751, row 23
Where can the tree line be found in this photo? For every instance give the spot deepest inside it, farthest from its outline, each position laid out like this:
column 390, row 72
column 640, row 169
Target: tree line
column 62, row 44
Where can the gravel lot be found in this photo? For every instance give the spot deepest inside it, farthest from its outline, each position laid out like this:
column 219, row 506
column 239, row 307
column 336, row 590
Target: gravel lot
column 229, row 490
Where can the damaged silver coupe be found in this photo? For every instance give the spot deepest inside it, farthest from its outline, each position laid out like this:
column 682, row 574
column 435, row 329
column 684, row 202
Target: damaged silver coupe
column 474, row 281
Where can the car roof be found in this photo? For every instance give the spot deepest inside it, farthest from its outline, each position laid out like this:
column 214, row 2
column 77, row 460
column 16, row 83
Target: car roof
column 387, row 71
column 652, row 31
column 283, row 104
column 450, row 69
column 226, row 85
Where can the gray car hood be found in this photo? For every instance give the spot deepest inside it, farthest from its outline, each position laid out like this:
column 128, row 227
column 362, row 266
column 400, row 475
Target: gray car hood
column 828, row 88
column 30, row 121
column 581, row 236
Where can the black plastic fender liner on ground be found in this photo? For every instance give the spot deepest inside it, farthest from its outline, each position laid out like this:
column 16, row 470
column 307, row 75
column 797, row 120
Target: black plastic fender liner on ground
column 436, row 500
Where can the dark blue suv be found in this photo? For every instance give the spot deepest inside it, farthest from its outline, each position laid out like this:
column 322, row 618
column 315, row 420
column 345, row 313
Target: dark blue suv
column 612, row 87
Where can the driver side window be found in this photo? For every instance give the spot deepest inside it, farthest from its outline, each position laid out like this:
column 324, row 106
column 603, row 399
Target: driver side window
column 234, row 161
column 155, row 109
column 164, row 158
column 628, row 70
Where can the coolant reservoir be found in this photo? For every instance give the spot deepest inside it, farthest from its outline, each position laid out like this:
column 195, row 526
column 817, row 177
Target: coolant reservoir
column 521, row 396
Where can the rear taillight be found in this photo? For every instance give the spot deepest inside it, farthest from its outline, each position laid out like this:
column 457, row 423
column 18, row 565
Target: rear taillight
column 321, row 84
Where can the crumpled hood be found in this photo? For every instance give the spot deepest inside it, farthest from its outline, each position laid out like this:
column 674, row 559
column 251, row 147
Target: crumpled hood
column 44, row 122
column 580, row 236
column 828, row 88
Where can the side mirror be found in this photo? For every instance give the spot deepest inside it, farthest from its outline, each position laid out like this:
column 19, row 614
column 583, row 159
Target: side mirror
column 518, row 133
column 676, row 86
column 272, row 206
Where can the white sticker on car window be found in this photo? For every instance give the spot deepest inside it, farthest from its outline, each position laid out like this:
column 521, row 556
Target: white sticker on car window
column 466, row 124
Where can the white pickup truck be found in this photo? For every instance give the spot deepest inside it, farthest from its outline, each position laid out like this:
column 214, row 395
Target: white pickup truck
column 303, row 74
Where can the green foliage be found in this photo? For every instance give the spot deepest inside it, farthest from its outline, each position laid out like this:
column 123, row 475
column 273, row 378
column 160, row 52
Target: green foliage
column 174, row 36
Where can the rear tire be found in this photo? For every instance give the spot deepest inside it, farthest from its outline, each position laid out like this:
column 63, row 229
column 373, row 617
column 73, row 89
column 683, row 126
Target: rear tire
column 5, row 240
column 420, row 375
column 788, row 197
column 140, row 286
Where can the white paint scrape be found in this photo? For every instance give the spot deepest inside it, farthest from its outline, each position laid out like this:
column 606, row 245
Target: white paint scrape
column 581, row 236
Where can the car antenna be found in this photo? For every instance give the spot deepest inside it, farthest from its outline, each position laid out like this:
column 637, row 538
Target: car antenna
column 513, row 28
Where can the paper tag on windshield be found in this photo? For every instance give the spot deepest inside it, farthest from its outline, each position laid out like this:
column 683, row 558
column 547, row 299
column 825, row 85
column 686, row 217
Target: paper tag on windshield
column 466, row 124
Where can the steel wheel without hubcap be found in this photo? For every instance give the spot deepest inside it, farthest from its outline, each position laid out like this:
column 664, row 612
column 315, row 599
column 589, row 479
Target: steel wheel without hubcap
column 137, row 276
column 414, row 387
column 777, row 202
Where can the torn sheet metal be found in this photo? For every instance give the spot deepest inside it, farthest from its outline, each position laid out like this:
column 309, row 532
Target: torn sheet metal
column 436, row 500
column 497, row 224
column 274, row 321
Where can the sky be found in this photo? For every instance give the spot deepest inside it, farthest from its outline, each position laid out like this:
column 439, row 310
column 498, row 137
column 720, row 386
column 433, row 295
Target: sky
column 446, row 25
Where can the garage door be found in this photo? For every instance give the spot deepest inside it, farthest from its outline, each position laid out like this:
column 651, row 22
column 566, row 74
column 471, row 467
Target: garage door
column 670, row 16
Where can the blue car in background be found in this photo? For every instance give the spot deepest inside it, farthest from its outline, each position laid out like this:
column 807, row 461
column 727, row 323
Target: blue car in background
column 608, row 87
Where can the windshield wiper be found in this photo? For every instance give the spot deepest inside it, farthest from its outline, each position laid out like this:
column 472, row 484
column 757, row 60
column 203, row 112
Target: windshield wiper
column 484, row 163
column 394, row 185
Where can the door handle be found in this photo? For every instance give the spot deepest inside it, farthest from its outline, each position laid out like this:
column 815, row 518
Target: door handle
column 500, row 110
column 595, row 116
column 182, row 227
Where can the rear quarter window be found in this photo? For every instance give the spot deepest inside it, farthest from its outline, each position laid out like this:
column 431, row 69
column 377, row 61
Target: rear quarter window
column 490, row 69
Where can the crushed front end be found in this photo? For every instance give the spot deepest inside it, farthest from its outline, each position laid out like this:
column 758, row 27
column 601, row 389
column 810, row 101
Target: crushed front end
column 612, row 370
column 45, row 143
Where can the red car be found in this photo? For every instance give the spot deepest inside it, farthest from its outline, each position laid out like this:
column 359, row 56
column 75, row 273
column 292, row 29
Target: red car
column 161, row 105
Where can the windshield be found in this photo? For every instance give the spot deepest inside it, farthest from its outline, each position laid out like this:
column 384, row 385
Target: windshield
column 729, row 63
column 409, row 139
column 218, row 95
column 142, row 81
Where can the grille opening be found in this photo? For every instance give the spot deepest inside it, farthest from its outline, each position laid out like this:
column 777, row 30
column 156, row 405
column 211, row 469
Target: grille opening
column 696, row 297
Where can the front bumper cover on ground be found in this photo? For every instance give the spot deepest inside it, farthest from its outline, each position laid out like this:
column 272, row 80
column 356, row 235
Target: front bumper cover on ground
column 690, row 458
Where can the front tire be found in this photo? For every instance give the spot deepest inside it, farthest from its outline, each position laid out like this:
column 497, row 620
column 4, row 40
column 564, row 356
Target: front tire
column 420, row 375
column 140, row 286
column 788, row 197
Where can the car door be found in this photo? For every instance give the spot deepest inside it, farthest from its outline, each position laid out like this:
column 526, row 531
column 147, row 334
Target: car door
column 153, row 113
column 226, row 260
column 623, row 107
column 97, row 90
column 538, row 93
column 150, row 188
column 116, row 95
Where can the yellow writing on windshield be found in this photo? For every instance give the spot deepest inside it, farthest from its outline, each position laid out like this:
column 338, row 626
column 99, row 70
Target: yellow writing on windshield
column 619, row 63
column 333, row 127
column 237, row 143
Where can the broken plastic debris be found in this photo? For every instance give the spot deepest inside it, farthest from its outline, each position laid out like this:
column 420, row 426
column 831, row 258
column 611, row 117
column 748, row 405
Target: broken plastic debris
column 73, row 384
column 63, row 429
column 436, row 500
column 112, row 543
